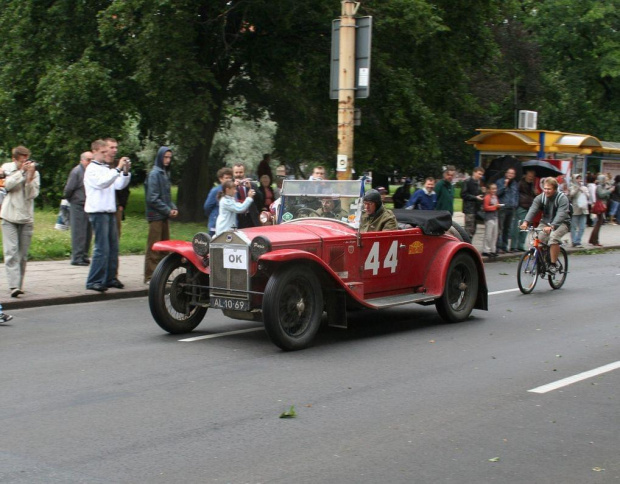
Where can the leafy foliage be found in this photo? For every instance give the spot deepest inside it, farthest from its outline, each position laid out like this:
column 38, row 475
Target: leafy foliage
column 152, row 72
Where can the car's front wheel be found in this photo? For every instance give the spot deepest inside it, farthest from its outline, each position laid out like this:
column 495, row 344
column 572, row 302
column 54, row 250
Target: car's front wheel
column 461, row 289
column 170, row 295
column 292, row 307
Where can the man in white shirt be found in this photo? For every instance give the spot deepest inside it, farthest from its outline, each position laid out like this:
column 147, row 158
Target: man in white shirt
column 101, row 182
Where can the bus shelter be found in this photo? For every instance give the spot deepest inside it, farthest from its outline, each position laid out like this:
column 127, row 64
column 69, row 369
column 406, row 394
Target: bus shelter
column 569, row 152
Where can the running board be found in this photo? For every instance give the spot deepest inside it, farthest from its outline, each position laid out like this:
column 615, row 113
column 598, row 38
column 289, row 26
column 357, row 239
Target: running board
column 399, row 300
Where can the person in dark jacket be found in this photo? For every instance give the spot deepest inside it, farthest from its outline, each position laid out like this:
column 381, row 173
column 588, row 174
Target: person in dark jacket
column 81, row 231
column 251, row 218
column 211, row 206
column 472, row 198
column 508, row 193
column 424, row 198
column 402, row 194
column 527, row 193
column 159, row 208
column 376, row 217
column 445, row 191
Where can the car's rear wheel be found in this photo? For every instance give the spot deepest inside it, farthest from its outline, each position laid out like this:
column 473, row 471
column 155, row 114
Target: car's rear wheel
column 170, row 296
column 292, row 307
column 461, row 290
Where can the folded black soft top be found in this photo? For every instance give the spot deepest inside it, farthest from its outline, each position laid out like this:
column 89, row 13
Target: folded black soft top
column 432, row 222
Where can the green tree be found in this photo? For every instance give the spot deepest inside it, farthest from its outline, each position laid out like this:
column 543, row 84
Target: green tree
column 580, row 48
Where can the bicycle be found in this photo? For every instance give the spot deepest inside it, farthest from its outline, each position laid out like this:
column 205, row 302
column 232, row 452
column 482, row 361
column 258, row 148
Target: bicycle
column 536, row 262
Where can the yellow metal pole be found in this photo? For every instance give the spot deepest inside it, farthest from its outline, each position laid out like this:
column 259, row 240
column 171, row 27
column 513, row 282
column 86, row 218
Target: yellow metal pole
column 346, row 92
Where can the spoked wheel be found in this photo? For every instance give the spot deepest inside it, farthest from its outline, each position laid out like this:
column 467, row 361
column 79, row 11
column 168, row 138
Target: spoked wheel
column 170, row 296
column 556, row 281
column 461, row 290
column 292, row 307
column 527, row 272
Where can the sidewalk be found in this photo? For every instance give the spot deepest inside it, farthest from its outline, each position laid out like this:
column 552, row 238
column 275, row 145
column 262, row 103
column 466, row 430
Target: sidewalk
column 58, row 282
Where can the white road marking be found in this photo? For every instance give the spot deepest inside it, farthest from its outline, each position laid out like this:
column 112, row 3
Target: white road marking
column 575, row 378
column 504, row 291
column 219, row 335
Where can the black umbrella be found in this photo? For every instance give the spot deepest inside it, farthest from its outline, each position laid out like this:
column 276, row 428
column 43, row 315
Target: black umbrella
column 542, row 168
column 498, row 167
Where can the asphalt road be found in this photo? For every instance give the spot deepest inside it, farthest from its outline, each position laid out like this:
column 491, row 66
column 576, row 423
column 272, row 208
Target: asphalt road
column 97, row 393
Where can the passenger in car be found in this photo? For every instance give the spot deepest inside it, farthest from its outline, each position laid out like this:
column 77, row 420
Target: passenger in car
column 331, row 208
column 376, row 217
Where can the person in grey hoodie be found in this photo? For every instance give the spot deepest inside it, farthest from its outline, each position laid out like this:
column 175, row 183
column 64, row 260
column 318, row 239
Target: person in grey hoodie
column 159, row 208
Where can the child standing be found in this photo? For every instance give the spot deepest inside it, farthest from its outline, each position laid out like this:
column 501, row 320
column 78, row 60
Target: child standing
column 490, row 206
column 229, row 207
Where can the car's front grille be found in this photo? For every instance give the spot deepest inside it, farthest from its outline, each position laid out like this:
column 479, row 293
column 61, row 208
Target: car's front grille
column 225, row 282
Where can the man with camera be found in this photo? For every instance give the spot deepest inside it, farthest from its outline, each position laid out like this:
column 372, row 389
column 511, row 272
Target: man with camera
column 100, row 182
column 81, row 232
column 251, row 218
column 22, row 186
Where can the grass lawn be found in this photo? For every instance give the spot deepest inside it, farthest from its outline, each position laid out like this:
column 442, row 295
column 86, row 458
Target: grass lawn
column 49, row 243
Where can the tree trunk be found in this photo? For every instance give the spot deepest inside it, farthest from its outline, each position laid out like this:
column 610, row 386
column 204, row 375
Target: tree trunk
column 197, row 179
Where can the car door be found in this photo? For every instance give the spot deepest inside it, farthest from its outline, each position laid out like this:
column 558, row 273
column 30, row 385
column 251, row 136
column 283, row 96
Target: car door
column 388, row 261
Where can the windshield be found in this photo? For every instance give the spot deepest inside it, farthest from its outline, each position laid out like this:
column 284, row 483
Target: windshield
column 335, row 199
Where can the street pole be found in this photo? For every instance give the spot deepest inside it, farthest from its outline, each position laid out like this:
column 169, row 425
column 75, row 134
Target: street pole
column 346, row 90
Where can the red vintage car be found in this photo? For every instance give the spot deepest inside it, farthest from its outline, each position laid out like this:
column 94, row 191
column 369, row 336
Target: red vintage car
column 315, row 260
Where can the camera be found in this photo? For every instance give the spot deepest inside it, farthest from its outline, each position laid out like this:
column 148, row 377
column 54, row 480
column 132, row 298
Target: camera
column 34, row 162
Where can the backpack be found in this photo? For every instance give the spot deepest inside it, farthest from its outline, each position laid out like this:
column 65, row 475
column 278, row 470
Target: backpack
column 570, row 204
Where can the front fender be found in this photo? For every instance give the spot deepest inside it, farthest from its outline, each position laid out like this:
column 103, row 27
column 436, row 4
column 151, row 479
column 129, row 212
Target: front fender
column 290, row 255
column 436, row 278
column 184, row 249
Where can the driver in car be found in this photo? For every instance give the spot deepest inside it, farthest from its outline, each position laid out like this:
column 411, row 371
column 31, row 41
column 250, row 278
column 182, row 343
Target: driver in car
column 376, row 217
column 331, row 208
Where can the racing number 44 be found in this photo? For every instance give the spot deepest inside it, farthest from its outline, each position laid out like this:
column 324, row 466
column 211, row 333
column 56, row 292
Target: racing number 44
column 373, row 262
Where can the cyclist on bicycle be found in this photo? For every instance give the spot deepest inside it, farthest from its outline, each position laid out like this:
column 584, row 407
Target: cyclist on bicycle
column 555, row 220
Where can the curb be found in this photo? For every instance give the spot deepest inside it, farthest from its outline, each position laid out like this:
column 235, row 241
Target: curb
column 570, row 250
column 78, row 298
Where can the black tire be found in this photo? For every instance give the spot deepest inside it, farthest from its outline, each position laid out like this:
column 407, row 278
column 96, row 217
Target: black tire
column 557, row 280
column 292, row 307
column 461, row 289
column 527, row 272
column 169, row 300
column 459, row 232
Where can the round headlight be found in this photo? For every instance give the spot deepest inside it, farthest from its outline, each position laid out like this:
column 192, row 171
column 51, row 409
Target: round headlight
column 200, row 243
column 260, row 245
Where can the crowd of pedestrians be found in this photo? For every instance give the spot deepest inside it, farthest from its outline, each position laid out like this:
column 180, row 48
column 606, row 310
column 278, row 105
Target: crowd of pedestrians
column 504, row 204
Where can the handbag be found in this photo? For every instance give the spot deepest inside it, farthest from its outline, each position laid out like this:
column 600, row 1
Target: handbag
column 598, row 208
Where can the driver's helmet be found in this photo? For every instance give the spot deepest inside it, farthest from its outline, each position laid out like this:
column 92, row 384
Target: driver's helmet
column 373, row 196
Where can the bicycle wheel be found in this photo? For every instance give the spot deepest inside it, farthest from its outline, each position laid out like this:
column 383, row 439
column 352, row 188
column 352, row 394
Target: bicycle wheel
column 527, row 274
column 556, row 281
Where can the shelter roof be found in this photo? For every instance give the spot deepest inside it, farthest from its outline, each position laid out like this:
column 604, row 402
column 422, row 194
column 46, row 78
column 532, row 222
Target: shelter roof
column 533, row 141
